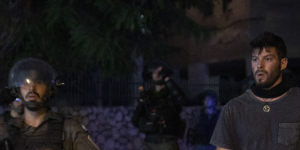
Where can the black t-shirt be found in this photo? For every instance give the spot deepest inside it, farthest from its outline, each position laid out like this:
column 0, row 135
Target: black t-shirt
column 243, row 125
column 203, row 127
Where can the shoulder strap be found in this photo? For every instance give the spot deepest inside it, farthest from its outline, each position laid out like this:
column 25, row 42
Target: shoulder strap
column 67, row 134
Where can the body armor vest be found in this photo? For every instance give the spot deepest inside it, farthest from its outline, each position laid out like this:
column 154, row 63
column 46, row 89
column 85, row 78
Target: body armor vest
column 49, row 139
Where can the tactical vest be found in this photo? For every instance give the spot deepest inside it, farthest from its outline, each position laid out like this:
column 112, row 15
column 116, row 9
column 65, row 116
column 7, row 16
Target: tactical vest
column 50, row 139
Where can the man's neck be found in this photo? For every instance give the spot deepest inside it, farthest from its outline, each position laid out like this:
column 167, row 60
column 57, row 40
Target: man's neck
column 273, row 98
column 269, row 99
column 275, row 83
column 274, row 92
column 34, row 118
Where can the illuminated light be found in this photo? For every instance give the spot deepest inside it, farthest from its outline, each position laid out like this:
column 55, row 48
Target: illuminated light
column 59, row 83
column 28, row 81
column 141, row 88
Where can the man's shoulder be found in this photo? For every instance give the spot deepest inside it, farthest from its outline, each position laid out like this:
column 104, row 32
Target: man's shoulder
column 73, row 125
column 238, row 101
column 70, row 124
column 295, row 90
column 72, row 128
column 293, row 95
column 240, row 98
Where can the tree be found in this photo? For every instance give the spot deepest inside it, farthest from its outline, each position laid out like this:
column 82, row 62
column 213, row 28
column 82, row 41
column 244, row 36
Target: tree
column 76, row 35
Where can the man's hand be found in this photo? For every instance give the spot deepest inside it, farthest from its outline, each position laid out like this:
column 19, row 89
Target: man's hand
column 167, row 78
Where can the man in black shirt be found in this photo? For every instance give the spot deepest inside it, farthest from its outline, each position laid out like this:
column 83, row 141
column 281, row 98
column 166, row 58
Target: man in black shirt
column 267, row 116
column 204, row 122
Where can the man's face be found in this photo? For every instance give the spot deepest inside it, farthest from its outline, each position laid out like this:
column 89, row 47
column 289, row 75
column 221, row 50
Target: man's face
column 33, row 93
column 209, row 102
column 267, row 67
column 210, row 105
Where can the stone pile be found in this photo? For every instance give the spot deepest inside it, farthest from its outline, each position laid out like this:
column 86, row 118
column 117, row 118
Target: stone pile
column 111, row 128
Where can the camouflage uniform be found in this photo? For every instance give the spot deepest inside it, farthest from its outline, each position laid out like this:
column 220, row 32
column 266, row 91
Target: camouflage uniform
column 54, row 133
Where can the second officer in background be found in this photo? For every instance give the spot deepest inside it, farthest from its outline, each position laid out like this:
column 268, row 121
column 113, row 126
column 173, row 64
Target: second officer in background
column 158, row 111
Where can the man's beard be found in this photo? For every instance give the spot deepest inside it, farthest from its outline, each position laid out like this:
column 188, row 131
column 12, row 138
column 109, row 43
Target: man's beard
column 272, row 78
column 34, row 105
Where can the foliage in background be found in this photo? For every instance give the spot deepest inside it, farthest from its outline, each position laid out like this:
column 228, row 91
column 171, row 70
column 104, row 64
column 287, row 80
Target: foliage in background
column 77, row 35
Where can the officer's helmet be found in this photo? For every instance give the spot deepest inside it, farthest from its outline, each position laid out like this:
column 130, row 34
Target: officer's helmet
column 30, row 70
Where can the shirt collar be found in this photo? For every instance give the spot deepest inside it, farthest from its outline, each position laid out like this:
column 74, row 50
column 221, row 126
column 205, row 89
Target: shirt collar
column 19, row 122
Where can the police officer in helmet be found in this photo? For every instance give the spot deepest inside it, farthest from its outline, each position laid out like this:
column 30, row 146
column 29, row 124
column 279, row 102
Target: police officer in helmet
column 158, row 111
column 33, row 81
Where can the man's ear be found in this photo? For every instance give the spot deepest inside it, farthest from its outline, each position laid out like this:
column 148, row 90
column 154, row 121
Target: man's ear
column 283, row 63
column 52, row 91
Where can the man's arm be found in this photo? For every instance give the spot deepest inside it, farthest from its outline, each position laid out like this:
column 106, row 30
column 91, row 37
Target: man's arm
column 223, row 135
column 175, row 91
column 139, row 113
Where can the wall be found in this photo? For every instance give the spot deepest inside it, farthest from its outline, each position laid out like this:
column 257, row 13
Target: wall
column 229, row 34
column 111, row 128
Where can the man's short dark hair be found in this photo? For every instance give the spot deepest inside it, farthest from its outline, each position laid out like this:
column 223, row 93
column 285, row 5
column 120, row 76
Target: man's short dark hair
column 268, row 39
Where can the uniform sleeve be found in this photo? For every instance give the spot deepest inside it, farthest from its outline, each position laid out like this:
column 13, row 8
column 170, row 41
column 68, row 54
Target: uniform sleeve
column 77, row 137
column 176, row 92
column 3, row 129
column 223, row 133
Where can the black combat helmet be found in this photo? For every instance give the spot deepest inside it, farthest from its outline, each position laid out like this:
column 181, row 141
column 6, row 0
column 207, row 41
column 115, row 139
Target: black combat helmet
column 31, row 70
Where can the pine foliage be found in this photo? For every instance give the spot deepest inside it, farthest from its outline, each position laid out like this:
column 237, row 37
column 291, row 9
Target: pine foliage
column 76, row 35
